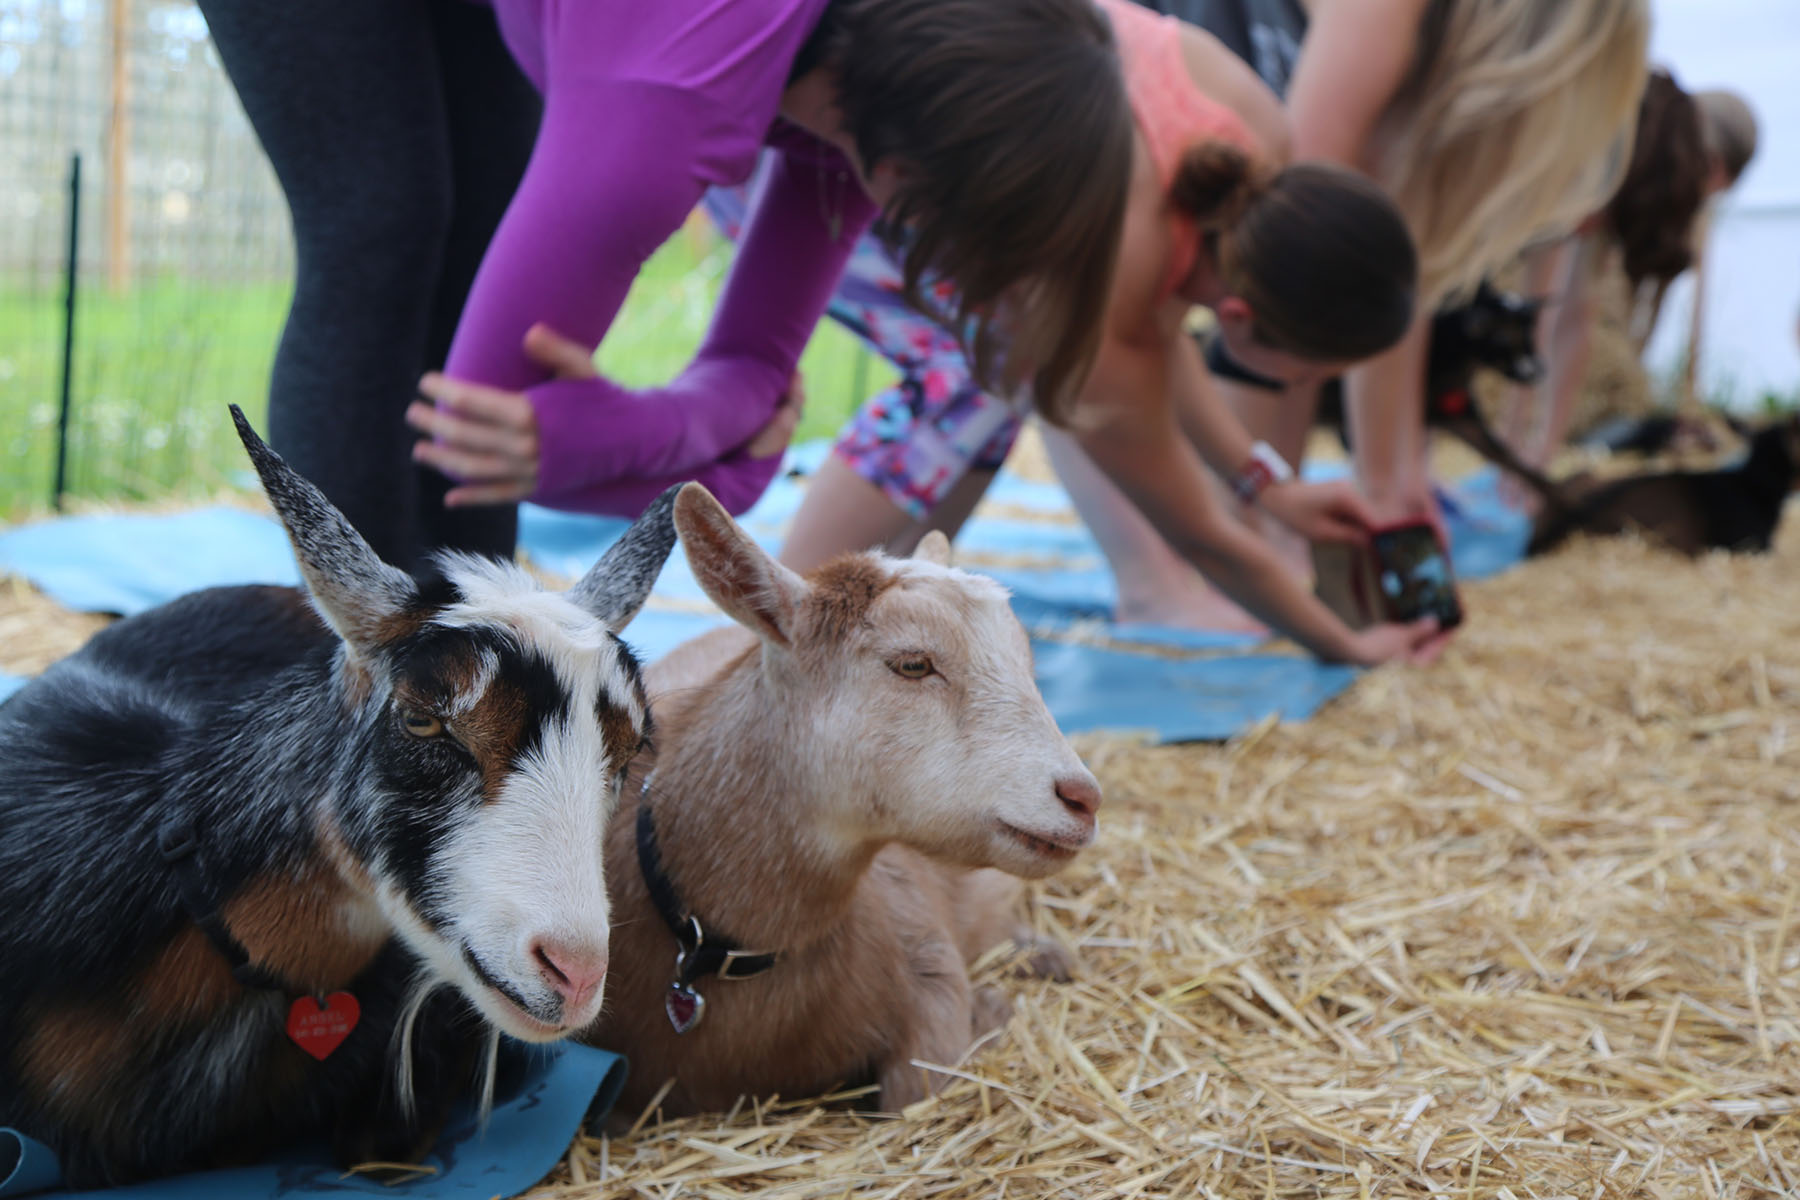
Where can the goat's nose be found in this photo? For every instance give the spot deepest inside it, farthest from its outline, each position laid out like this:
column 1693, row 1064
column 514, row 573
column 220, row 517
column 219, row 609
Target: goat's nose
column 575, row 973
column 1080, row 795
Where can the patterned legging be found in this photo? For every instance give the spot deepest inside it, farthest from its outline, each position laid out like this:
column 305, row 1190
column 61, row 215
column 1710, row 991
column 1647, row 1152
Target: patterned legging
column 916, row 440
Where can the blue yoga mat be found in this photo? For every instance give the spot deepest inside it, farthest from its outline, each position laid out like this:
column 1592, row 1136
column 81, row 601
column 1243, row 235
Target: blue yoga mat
column 125, row 564
column 9, row 684
column 527, row 1134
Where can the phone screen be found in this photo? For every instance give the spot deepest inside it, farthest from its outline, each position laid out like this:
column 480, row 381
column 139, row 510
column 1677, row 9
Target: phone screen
column 1412, row 572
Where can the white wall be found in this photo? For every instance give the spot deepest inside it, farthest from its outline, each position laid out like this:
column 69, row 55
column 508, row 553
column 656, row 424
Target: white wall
column 1752, row 46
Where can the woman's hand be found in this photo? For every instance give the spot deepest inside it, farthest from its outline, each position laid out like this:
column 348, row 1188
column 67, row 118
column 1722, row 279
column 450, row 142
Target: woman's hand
column 1321, row 512
column 774, row 437
column 487, row 437
column 1416, row 642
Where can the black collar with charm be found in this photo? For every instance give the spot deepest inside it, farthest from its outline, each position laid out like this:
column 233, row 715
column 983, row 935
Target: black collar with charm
column 700, row 954
column 317, row 1024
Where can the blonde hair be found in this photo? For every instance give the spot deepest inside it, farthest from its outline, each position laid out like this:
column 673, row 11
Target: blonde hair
column 1514, row 124
column 1729, row 127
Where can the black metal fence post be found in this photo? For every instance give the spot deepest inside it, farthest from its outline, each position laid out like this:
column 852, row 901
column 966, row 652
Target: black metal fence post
column 70, row 271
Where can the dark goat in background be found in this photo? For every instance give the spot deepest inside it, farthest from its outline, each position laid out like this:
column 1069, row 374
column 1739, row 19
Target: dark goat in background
column 1734, row 508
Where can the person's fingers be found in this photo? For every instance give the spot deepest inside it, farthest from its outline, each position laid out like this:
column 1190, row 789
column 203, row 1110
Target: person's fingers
column 478, row 402
column 562, row 356
column 471, row 466
column 1353, row 507
column 445, row 428
column 1426, row 641
column 773, row 438
column 471, row 494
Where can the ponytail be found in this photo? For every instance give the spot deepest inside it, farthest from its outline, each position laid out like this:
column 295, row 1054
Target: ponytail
column 1216, row 183
column 1320, row 253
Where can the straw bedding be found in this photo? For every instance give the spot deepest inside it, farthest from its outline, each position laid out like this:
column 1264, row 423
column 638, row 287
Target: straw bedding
column 1522, row 925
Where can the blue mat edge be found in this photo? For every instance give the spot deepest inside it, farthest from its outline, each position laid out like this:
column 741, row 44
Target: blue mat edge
column 573, row 1087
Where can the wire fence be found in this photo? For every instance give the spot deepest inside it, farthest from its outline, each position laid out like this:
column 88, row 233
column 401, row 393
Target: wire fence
column 184, row 253
column 185, row 262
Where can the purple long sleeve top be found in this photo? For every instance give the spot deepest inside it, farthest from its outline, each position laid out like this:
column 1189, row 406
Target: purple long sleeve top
column 646, row 104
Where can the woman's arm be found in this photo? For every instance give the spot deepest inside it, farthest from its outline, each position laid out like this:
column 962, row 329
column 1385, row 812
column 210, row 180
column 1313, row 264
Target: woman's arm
column 1356, row 55
column 1385, row 406
column 1141, row 448
column 787, row 265
column 1228, row 79
column 1646, row 310
column 599, row 196
column 1690, row 371
column 1332, row 511
column 1567, row 330
column 1354, row 59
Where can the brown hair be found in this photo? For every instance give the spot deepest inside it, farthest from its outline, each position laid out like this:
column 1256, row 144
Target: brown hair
column 1009, row 124
column 1652, row 214
column 1321, row 253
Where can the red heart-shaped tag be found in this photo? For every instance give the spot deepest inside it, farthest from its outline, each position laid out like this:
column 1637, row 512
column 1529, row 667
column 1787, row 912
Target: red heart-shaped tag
column 319, row 1031
column 684, row 1006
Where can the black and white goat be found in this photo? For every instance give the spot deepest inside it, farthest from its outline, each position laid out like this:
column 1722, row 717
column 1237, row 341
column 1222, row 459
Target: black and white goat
column 243, row 846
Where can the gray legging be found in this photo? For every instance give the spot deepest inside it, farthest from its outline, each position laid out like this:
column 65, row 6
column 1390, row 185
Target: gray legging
column 399, row 130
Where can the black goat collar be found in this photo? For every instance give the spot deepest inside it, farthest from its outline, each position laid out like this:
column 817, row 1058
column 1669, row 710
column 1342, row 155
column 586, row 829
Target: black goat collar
column 700, row 954
column 180, row 847
column 316, row 1024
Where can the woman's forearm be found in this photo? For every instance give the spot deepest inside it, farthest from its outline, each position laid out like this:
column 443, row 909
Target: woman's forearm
column 1385, row 407
column 1571, row 346
column 1245, row 568
column 1158, row 471
column 1208, row 421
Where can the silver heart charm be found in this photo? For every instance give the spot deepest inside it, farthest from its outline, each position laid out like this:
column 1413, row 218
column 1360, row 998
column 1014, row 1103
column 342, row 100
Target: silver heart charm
column 684, row 1005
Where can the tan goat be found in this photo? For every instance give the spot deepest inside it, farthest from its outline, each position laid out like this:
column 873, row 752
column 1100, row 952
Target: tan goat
column 831, row 777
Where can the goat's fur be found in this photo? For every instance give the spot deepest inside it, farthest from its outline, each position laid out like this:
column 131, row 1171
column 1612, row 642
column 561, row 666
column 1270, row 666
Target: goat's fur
column 347, row 843
column 813, row 800
column 1734, row 508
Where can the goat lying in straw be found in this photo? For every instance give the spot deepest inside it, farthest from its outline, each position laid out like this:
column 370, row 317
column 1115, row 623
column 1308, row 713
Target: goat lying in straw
column 1735, row 508
column 221, row 810
column 828, row 780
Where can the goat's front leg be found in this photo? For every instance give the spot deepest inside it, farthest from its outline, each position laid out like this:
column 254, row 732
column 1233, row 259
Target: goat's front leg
column 938, row 1029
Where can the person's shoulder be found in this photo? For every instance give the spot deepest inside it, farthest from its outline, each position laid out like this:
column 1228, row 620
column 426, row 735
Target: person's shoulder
column 701, row 45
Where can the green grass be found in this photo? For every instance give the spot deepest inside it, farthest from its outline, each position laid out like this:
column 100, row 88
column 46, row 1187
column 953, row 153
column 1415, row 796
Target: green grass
column 155, row 367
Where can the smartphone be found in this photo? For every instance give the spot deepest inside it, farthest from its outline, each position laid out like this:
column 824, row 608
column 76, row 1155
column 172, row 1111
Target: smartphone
column 1412, row 575
column 1402, row 575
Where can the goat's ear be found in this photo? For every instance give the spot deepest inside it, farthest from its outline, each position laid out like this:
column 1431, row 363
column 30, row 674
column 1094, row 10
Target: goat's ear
column 616, row 587
column 738, row 575
column 934, row 547
column 352, row 588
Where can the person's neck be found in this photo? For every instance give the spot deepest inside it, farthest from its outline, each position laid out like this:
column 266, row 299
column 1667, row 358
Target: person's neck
column 1203, row 285
column 811, row 102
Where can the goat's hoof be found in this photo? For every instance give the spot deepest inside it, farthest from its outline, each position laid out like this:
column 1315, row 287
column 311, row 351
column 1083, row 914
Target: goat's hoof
column 989, row 1009
column 1044, row 958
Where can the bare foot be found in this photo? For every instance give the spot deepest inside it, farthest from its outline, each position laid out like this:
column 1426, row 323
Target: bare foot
column 1191, row 603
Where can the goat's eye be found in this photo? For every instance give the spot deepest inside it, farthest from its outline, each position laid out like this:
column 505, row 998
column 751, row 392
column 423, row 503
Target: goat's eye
column 423, row 725
column 911, row 666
